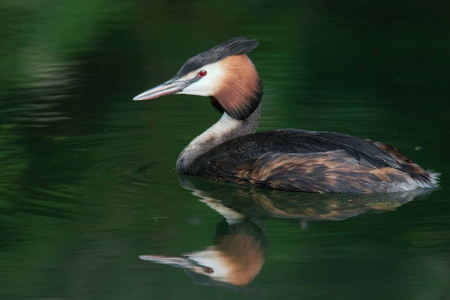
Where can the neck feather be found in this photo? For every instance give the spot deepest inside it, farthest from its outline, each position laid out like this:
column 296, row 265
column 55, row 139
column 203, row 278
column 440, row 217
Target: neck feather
column 240, row 90
column 225, row 129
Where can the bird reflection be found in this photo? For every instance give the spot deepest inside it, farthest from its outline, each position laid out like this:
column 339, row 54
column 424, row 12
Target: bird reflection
column 239, row 248
column 235, row 258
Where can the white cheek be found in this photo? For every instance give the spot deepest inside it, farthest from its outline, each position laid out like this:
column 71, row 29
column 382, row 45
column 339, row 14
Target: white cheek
column 207, row 85
column 213, row 259
column 203, row 87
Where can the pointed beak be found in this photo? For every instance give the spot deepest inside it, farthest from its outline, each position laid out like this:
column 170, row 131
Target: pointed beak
column 176, row 261
column 167, row 88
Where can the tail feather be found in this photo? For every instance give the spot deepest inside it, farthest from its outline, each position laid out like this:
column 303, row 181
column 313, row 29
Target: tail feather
column 425, row 179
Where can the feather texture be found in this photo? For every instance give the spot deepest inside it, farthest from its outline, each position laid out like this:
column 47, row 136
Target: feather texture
column 309, row 161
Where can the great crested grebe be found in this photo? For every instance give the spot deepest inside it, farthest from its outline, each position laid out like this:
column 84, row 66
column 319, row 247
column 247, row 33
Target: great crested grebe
column 284, row 159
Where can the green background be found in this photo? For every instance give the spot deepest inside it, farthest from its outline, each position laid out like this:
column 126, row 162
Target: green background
column 87, row 178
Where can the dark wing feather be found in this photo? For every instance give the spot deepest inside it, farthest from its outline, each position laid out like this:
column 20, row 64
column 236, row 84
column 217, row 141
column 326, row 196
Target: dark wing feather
column 322, row 172
column 245, row 149
column 307, row 161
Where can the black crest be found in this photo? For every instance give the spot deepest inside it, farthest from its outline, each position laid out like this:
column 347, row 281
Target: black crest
column 235, row 46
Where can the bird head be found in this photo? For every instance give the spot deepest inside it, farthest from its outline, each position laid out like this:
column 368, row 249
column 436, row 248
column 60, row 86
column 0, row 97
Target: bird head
column 224, row 73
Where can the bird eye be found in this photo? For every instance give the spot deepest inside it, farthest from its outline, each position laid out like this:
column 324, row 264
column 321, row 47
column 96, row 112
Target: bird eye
column 202, row 73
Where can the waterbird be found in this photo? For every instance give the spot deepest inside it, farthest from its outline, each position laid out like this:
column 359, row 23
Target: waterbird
column 283, row 159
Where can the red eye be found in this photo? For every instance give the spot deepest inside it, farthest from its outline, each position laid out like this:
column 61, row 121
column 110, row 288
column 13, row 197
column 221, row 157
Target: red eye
column 202, row 73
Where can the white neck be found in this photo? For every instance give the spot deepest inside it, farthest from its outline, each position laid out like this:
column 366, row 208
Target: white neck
column 224, row 130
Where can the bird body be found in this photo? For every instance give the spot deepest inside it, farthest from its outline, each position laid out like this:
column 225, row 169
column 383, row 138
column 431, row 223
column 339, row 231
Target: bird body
column 286, row 159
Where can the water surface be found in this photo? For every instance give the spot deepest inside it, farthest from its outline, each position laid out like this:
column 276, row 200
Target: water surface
column 87, row 181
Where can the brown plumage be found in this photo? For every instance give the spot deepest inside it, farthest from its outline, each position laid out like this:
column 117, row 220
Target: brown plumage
column 240, row 90
column 320, row 162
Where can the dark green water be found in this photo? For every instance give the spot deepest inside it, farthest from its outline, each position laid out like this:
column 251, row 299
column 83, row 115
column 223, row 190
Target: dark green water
column 87, row 180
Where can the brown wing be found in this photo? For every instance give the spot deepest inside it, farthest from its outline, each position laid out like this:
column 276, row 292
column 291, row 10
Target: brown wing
column 324, row 172
column 324, row 162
